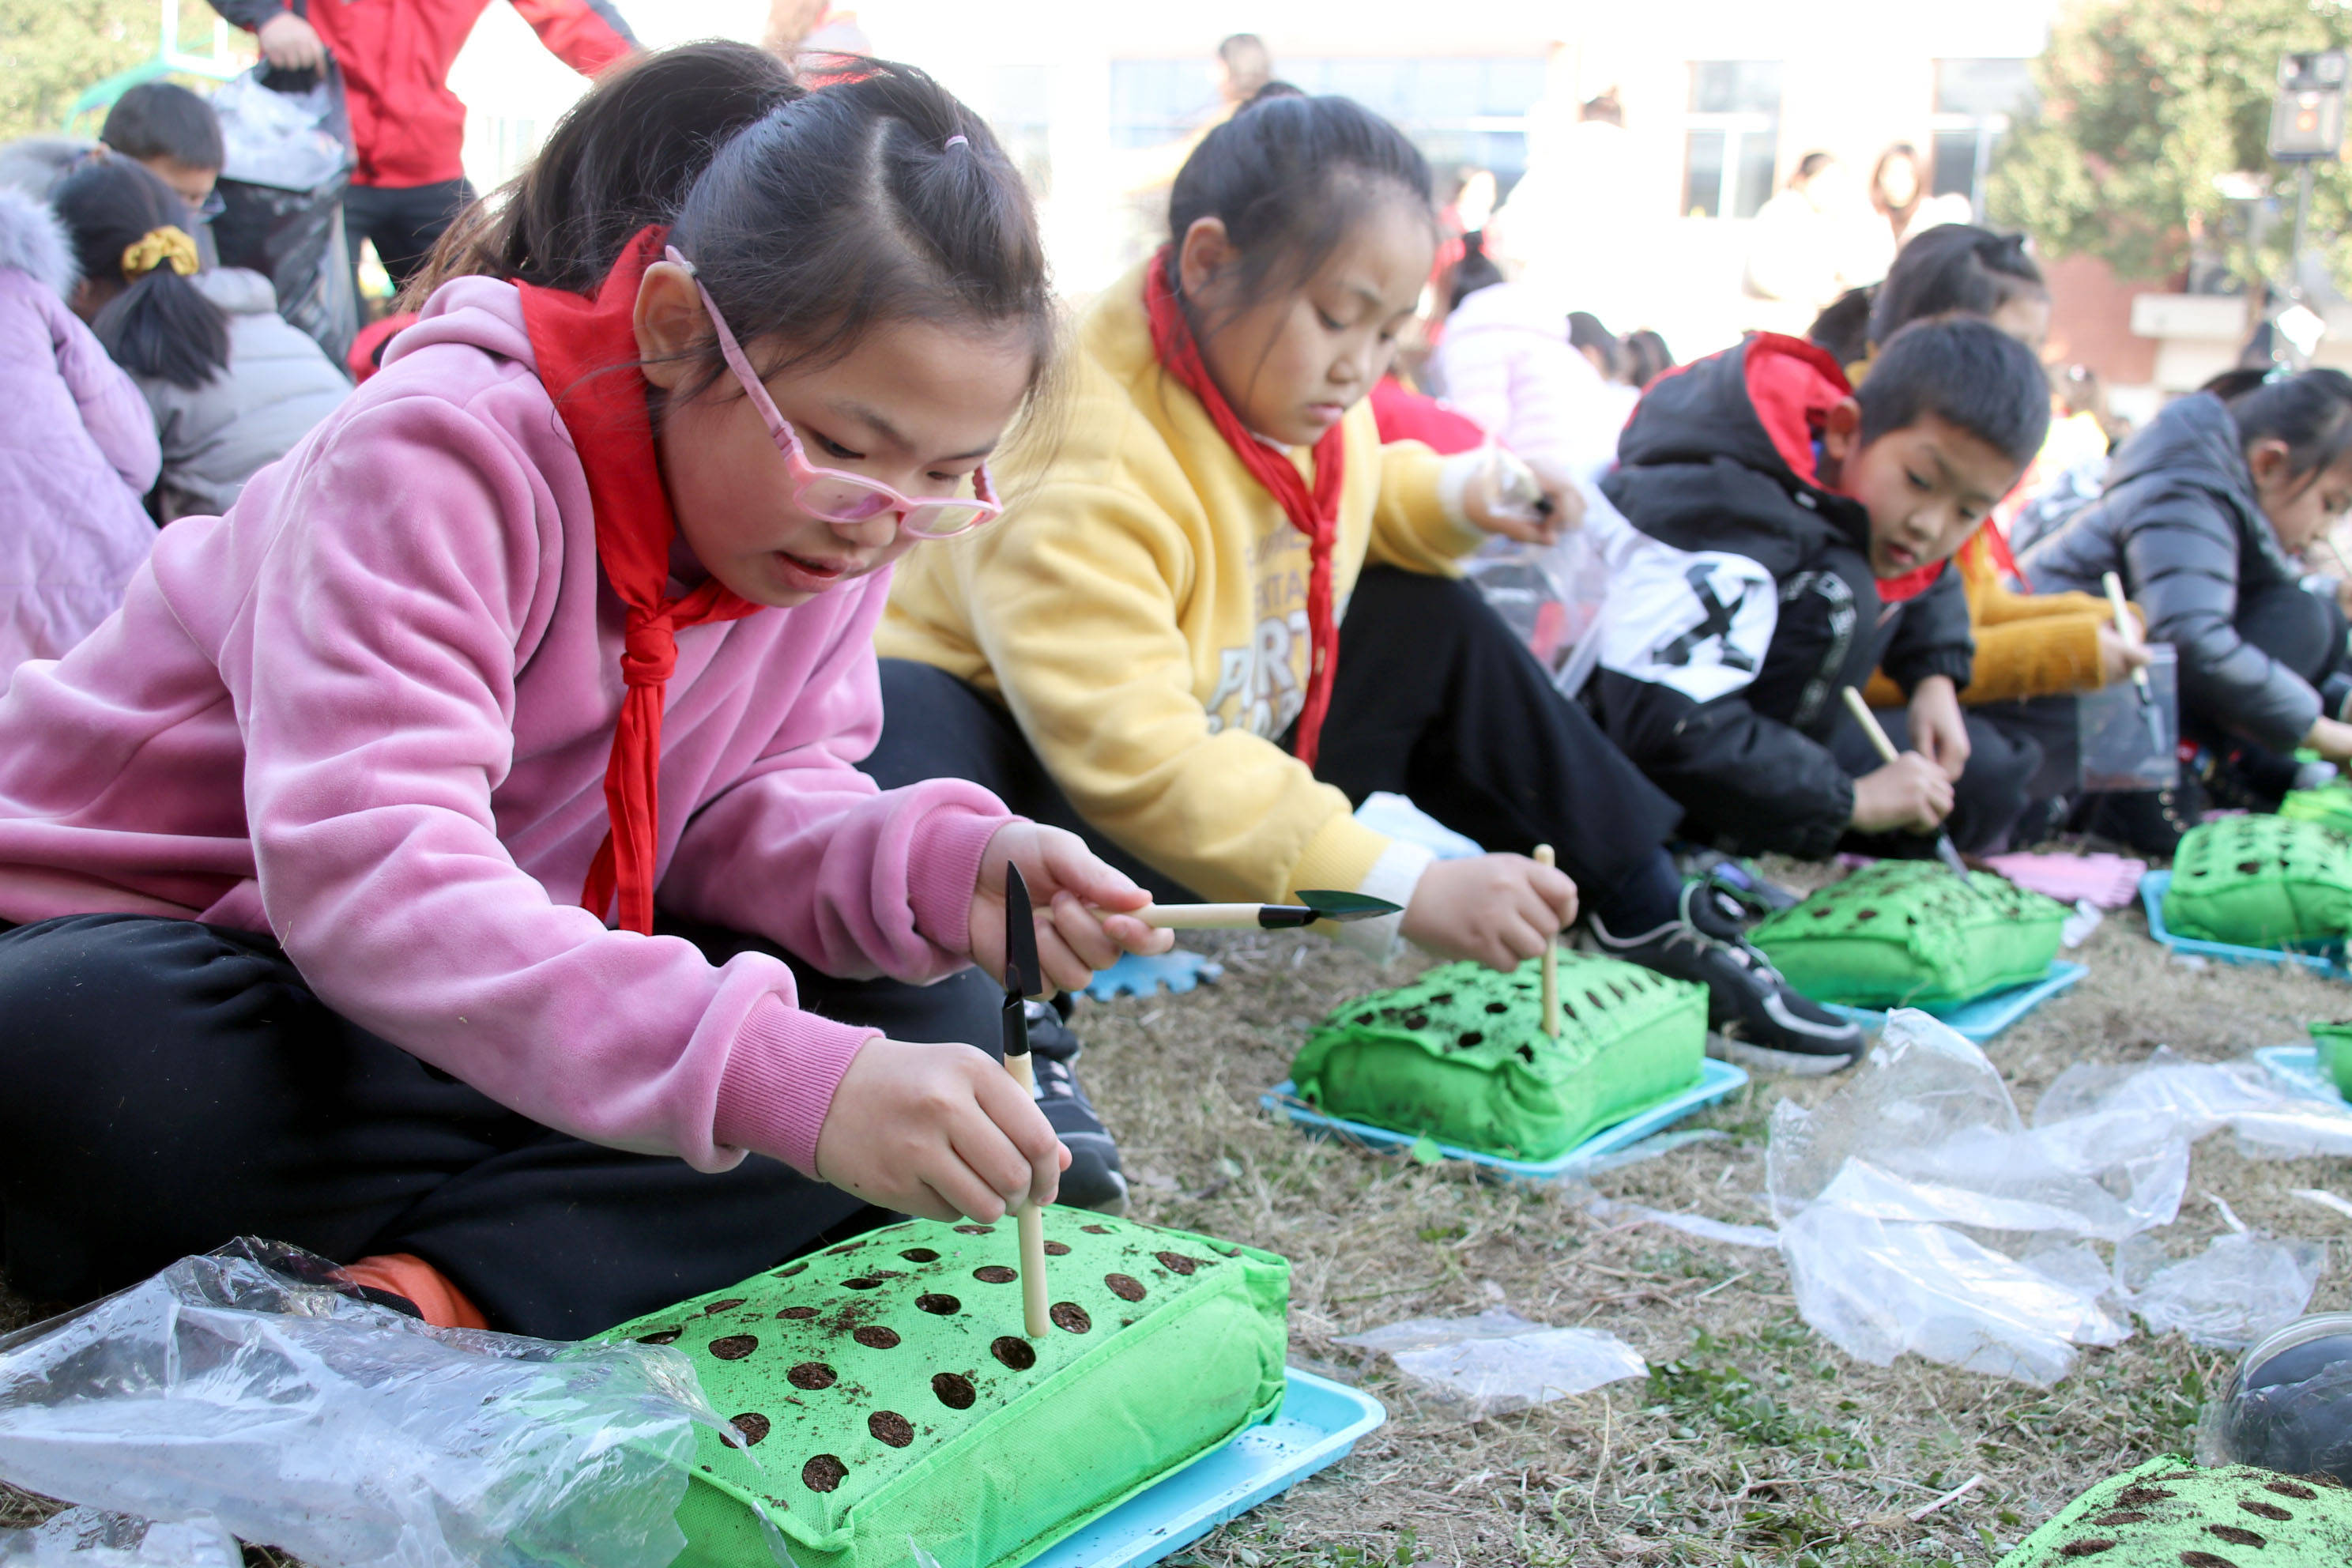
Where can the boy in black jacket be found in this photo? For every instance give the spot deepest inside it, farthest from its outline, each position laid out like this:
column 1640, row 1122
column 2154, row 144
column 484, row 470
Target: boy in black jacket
column 1791, row 536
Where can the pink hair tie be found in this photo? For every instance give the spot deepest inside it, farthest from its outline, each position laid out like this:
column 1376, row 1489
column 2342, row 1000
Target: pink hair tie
column 954, row 141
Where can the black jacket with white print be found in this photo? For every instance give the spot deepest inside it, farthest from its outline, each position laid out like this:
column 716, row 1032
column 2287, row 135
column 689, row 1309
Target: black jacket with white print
column 1747, row 602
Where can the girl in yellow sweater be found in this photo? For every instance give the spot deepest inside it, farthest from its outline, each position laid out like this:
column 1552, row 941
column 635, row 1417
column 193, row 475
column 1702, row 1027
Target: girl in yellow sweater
column 1225, row 614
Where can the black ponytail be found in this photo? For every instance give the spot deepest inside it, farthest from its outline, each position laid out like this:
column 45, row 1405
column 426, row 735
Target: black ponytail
column 161, row 325
column 622, row 158
column 1289, row 177
column 1475, row 270
column 1953, row 268
column 2311, row 413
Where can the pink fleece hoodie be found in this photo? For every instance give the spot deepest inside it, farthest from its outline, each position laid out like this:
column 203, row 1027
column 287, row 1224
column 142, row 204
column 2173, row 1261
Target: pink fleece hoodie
column 369, row 713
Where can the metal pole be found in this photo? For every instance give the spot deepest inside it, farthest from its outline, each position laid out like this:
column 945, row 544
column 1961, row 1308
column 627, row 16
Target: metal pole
column 2302, row 224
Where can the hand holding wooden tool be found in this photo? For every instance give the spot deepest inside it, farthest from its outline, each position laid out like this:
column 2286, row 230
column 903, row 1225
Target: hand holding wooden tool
column 2122, row 608
column 1544, row 857
column 1313, row 904
column 1945, row 849
column 1022, row 978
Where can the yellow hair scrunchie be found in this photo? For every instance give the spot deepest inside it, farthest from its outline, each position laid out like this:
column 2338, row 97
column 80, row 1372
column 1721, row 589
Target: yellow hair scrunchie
column 157, row 246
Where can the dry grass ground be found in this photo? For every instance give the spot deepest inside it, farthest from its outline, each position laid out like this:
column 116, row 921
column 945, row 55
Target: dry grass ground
column 1753, row 1442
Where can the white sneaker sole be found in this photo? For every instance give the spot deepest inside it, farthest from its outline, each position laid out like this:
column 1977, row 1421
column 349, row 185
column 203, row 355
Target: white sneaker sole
column 1795, row 1064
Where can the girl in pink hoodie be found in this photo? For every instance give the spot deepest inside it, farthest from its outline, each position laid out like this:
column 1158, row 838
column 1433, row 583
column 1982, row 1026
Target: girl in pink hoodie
column 453, row 860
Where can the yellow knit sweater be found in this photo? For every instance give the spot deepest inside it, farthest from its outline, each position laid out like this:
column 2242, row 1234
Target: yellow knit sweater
column 1142, row 609
column 2028, row 645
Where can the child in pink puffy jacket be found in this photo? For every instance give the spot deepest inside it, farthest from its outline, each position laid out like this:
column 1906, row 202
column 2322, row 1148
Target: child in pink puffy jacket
column 78, row 450
column 453, row 860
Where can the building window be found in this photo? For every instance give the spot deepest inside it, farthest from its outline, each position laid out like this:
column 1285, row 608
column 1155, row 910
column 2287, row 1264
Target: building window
column 1975, row 101
column 1458, row 112
column 1730, row 137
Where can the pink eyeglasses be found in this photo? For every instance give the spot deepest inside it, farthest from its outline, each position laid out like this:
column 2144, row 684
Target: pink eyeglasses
column 831, row 493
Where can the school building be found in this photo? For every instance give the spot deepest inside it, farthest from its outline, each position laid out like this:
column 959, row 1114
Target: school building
column 1721, row 98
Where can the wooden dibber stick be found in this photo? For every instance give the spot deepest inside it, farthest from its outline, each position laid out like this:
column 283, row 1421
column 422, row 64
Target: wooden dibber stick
column 1029, row 1220
column 2122, row 608
column 1544, row 857
column 1021, row 977
column 1945, row 849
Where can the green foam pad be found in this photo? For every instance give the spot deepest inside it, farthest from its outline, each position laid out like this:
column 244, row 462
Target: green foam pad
column 2331, row 806
column 2331, row 1044
column 883, row 1389
column 2260, row 882
column 1461, row 1055
column 2168, row 1511
column 1908, row 933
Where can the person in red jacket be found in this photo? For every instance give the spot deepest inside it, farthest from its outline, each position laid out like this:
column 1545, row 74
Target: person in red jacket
column 407, row 127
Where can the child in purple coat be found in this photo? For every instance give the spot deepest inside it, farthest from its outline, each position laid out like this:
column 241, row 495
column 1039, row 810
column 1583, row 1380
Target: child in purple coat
column 76, row 451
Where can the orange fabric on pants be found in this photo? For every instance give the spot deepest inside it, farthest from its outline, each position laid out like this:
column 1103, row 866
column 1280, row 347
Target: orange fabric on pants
column 444, row 1305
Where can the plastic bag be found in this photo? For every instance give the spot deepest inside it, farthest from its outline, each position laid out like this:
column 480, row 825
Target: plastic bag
column 2169, row 1097
column 1499, row 1362
column 1876, row 1287
column 1927, row 1131
column 242, row 1387
column 90, row 1538
column 281, row 191
column 2289, row 1405
column 1551, row 595
column 2240, row 1287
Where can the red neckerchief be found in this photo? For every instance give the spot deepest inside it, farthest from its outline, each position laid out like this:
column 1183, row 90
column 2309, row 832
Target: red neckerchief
column 1315, row 514
column 587, row 354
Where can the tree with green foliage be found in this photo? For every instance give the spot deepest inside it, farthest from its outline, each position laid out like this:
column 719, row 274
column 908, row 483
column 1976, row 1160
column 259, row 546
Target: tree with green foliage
column 50, row 50
column 2143, row 103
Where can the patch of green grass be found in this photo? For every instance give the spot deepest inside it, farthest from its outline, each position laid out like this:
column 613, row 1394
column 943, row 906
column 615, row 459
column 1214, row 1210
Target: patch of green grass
column 1262, row 1549
column 1706, row 1387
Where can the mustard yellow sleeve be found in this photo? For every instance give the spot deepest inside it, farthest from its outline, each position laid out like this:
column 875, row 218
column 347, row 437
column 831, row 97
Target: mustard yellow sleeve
column 1415, row 525
column 1996, row 603
column 1076, row 612
column 2038, row 655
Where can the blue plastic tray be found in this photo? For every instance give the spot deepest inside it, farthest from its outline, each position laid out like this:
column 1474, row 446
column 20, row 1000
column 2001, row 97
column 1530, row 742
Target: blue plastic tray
column 1715, row 1080
column 1987, row 1016
column 1137, row 974
column 1320, row 1424
column 2298, row 1067
column 2152, row 888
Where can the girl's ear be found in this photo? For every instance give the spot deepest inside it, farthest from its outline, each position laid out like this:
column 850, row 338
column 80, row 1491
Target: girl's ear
column 670, row 322
column 2270, row 460
column 1205, row 252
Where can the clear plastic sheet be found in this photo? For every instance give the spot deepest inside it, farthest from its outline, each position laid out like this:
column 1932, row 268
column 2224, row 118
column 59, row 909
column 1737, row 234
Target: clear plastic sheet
column 1498, row 1361
column 2289, row 1405
column 90, row 1538
column 242, row 1387
column 2241, row 1287
column 1918, row 1214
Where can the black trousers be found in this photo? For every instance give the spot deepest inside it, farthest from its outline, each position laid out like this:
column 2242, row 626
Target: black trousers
column 403, row 220
column 171, row 1085
column 1989, row 798
column 1434, row 699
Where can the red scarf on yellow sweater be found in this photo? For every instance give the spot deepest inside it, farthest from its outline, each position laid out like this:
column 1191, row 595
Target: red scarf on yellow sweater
column 1315, row 513
column 587, row 354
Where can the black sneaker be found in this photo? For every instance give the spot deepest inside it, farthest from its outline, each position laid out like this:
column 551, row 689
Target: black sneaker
column 1756, row 1018
column 1093, row 1181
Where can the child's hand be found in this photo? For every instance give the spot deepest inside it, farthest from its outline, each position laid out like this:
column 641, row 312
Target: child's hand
column 1064, row 879
column 2332, row 739
column 289, row 43
column 942, row 1132
column 1501, row 910
column 1534, row 503
column 1938, row 731
column 2118, row 656
column 1909, row 792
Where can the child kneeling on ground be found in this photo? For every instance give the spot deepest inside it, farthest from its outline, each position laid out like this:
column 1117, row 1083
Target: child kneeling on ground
column 1785, row 517
column 1227, row 613
column 314, row 843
